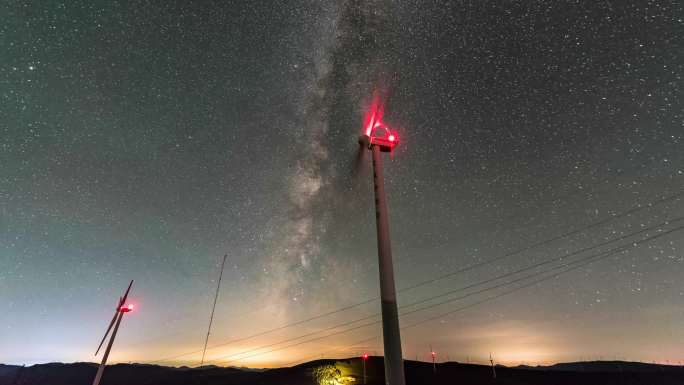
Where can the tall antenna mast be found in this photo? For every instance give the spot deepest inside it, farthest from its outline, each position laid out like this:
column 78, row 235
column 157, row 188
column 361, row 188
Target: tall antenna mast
column 211, row 317
column 116, row 321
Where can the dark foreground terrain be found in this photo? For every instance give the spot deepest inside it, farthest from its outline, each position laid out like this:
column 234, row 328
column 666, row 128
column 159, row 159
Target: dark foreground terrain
column 342, row 372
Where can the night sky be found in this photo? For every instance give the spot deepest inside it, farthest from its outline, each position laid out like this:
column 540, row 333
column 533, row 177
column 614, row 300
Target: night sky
column 145, row 140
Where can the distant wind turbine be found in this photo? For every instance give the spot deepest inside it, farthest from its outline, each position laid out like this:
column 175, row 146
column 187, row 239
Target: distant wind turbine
column 116, row 321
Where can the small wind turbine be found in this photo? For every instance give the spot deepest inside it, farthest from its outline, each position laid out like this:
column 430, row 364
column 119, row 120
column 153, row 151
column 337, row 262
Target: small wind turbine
column 493, row 367
column 116, row 321
column 434, row 355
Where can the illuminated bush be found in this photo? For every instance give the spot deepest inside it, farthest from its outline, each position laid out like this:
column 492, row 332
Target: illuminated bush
column 331, row 375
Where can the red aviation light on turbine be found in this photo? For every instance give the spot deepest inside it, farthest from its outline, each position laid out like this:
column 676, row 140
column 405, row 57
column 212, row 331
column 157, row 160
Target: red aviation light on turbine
column 376, row 132
column 127, row 308
column 365, row 356
column 383, row 137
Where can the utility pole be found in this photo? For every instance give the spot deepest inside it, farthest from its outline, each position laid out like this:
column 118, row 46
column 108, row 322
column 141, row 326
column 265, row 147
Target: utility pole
column 493, row 367
column 118, row 316
column 378, row 138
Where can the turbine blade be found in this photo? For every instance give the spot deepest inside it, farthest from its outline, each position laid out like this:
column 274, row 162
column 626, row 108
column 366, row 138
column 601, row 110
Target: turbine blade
column 122, row 300
column 108, row 329
column 359, row 161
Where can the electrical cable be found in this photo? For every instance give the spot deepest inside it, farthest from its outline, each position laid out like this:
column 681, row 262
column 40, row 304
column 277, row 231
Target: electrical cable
column 633, row 210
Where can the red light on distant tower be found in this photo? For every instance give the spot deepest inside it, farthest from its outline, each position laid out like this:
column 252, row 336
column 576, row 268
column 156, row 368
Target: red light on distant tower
column 434, row 365
column 365, row 358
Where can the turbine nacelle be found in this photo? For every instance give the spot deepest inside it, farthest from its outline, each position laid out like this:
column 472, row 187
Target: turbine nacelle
column 378, row 134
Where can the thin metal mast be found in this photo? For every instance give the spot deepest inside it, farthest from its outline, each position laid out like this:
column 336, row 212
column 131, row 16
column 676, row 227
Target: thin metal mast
column 211, row 318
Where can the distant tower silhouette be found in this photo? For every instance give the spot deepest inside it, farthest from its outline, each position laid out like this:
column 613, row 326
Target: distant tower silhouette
column 493, row 367
column 364, row 358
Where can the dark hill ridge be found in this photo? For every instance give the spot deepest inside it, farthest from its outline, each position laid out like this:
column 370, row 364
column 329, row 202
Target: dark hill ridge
column 605, row 366
column 417, row 373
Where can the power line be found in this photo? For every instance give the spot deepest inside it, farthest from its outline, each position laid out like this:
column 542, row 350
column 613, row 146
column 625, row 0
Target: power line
column 447, row 275
column 585, row 261
column 461, row 289
column 547, row 241
column 582, row 262
column 269, row 331
column 545, row 262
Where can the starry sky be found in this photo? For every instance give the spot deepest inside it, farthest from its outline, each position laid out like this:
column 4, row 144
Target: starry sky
column 145, row 140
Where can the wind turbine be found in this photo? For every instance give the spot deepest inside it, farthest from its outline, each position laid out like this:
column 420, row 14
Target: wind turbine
column 120, row 310
column 493, row 367
column 377, row 138
column 434, row 355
